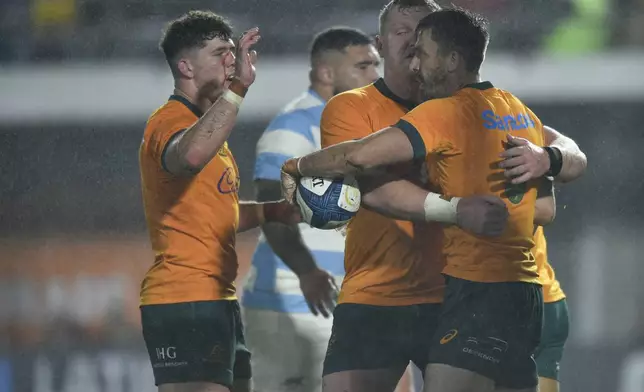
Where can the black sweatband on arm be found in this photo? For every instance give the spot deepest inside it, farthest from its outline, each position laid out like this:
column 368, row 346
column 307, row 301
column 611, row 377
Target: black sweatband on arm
column 556, row 161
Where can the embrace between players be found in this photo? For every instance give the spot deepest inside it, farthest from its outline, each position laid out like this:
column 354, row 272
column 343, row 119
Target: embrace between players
column 438, row 270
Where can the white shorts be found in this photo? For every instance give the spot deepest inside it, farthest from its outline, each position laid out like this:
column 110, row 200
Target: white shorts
column 287, row 350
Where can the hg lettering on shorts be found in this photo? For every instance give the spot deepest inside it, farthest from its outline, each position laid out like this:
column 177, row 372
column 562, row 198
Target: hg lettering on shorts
column 167, row 357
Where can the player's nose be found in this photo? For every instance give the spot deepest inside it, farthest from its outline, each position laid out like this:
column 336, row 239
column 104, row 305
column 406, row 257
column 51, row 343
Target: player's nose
column 229, row 59
column 414, row 64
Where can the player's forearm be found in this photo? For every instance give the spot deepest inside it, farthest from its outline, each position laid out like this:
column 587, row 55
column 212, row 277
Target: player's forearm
column 545, row 206
column 574, row 161
column 253, row 214
column 330, row 162
column 202, row 141
column 250, row 215
column 286, row 241
column 397, row 199
column 544, row 211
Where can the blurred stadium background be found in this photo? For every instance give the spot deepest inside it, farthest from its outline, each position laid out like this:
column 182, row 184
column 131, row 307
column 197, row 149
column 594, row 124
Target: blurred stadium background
column 79, row 77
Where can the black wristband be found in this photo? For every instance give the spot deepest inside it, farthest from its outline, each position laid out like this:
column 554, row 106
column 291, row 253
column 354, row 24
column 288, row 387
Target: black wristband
column 556, row 161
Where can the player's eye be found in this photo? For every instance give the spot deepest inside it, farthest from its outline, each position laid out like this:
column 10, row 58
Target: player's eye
column 402, row 32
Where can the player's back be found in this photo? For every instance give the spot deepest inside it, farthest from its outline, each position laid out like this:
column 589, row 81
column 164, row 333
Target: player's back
column 480, row 137
column 387, row 262
column 468, row 132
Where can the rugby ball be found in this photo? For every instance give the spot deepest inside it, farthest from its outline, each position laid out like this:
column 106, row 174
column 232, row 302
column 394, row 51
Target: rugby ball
column 327, row 204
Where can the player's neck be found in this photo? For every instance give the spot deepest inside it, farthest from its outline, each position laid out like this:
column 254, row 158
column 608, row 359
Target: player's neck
column 191, row 95
column 466, row 79
column 399, row 83
column 323, row 91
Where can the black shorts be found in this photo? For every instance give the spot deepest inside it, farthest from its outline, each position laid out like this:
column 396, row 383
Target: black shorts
column 492, row 329
column 380, row 337
column 553, row 339
column 196, row 342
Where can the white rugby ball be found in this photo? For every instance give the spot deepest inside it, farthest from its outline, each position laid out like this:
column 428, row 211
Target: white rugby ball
column 326, row 203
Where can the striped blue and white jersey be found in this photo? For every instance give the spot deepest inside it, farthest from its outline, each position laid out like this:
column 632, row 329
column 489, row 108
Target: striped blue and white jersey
column 271, row 285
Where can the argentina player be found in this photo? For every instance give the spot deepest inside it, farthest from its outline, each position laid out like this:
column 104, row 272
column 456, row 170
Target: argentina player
column 294, row 269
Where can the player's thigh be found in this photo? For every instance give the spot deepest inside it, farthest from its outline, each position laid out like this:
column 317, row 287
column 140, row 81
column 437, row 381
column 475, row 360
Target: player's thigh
column 532, row 389
column 191, row 343
column 553, row 340
column 193, row 387
column 421, row 336
column 446, row 378
column 378, row 380
column 369, row 343
column 491, row 329
column 548, row 385
column 368, row 337
column 288, row 350
column 371, row 380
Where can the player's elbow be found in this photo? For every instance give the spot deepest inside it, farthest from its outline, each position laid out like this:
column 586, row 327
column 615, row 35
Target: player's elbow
column 545, row 211
column 577, row 165
column 194, row 159
column 358, row 159
column 374, row 199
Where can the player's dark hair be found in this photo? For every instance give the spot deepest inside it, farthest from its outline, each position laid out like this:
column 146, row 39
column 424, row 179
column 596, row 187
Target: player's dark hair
column 402, row 5
column 461, row 31
column 337, row 39
column 192, row 30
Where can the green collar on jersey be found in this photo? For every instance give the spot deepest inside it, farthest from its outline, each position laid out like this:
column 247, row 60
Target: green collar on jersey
column 193, row 108
column 384, row 90
column 480, row 85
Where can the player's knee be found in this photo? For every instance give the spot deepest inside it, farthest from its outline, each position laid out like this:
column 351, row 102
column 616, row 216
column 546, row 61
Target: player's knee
column 446, row 378
column 548, row 385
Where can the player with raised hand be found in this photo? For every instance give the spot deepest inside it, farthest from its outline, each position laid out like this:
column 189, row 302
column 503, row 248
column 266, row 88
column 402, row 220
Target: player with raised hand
column 190, row 316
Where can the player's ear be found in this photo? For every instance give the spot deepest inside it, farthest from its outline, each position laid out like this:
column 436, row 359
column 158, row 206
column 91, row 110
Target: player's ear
column 454, row 59
column 379, row 45
column 325, row 74
column 185, row 68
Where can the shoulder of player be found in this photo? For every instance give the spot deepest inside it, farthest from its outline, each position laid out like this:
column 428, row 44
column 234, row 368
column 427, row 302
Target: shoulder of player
column 169, row 117
column 294, row 120
column 362, row 99
column 169, row 111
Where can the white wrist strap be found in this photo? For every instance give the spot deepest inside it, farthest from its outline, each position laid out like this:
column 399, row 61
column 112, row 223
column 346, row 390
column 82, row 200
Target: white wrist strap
column 438, row 209
column 299, row 172
column 232, row 98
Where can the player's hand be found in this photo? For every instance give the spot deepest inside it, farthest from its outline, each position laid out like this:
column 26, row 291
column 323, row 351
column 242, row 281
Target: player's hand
column 483, row 215
column 524, row 161
column 289, row 178
column 320, row 291
column 245, row 58
column 282, row 212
